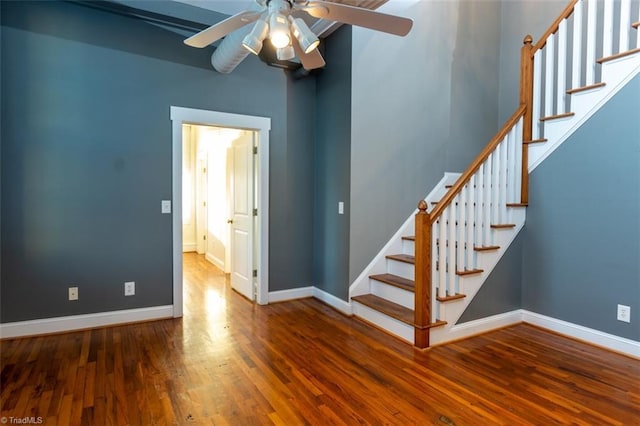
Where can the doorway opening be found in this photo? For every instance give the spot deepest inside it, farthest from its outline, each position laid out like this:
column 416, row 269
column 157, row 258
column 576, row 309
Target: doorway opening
column 220, row 197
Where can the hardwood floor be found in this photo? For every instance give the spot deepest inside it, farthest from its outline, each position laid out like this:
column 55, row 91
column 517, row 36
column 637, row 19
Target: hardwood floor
column 231, row 362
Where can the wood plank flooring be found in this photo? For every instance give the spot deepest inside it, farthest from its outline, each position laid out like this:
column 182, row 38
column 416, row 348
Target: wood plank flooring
column 302, row 363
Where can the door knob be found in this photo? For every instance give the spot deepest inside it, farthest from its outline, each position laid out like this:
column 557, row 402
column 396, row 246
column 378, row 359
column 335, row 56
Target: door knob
column 230, row 221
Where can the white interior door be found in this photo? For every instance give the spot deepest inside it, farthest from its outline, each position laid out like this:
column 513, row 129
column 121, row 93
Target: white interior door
column 242, row 216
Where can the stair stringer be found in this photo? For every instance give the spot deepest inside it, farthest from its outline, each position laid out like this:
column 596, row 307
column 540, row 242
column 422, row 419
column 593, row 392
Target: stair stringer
column 615, row 74
column 469, row 286
column 378, row 265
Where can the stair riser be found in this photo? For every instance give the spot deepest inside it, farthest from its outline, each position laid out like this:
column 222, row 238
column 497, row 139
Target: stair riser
column 408, row 247
column 395, row 327
column 393, row 294
column 401, row 269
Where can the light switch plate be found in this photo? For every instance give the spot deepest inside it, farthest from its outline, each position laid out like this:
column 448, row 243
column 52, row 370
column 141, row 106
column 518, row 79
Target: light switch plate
column 340, row 207
column 166, row 206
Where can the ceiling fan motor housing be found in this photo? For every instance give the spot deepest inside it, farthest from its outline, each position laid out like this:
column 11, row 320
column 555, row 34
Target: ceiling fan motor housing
column 280, row 6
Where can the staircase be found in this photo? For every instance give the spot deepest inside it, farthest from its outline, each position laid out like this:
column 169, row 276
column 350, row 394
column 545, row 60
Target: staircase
column 421, row 282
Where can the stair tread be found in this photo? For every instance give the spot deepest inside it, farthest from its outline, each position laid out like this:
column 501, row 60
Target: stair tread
column 451, row 298
column 406, row 258
column 585, row 88
column 517, row 204
column 503, row 225
column 409, row 238
column 395, row 281
column 541, row 140
column 618, row 55
column 391, row 309
column 469, row 272
column 486, row 248
column 558, row 116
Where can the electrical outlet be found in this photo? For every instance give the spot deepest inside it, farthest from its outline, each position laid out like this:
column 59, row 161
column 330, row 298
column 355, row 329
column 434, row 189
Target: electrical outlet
column 624, row 313
column 130, row 288
column 73, row 293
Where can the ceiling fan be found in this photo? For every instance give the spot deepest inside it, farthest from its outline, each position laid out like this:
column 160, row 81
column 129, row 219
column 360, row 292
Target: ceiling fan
column 280, row 22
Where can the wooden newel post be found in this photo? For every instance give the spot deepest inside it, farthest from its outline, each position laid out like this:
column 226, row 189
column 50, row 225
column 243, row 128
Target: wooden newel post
column 526, row 98
column 422, row 276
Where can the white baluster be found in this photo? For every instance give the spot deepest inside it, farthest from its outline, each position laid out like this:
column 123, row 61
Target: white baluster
column 537, row 94
column 625, row 25
column 495, row 174
column 607, row 29
column 576, row 67
column 435, row 276
column 487, row 201
column 502, row 188
column 511, row 170
column 638, row 31
column 562, row 68
column 462, row 223
column 519, row 165
column 471, row 222
column 479, row 238
column 549, row 75
column 590, row 65
column 442, row 253
column 451, row 258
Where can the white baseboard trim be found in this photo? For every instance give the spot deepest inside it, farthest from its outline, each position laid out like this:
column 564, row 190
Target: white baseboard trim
column 80, row 322
column 333, row 301
column 472, row 328
column 215, row 260
column 589, row 335
column 300, row 293
column 294, row 293
column 186, row 248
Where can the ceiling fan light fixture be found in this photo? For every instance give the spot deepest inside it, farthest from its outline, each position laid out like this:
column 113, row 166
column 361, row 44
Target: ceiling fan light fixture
column 307, row 39
column 253, row 41
column 279, row 30
column 285, row 53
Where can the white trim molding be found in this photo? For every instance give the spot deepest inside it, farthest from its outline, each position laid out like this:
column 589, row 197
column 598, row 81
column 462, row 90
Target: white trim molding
column 215, row 260
column 292, row 294
column 81, row 322
column 479, row 326
column 262, row 127
column 589, row 335
column 594, row 337
column 304, row 292
column 333, row 301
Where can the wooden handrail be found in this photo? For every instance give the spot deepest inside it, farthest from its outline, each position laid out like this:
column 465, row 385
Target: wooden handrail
column 466, row 176
column 554, row 27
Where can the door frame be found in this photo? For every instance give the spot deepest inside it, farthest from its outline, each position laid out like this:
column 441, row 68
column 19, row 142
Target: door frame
column 262, row 126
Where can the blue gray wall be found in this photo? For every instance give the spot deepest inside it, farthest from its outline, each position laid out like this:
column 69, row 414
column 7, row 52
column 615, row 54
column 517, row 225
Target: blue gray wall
column 502, row 291
column 86, row 157
column 332, row 167
column 422, row 105
column 581, row 252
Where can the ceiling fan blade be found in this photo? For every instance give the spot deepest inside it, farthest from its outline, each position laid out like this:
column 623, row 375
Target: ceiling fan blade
column 311, row 60
column 221, row 29
column 358, row 16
